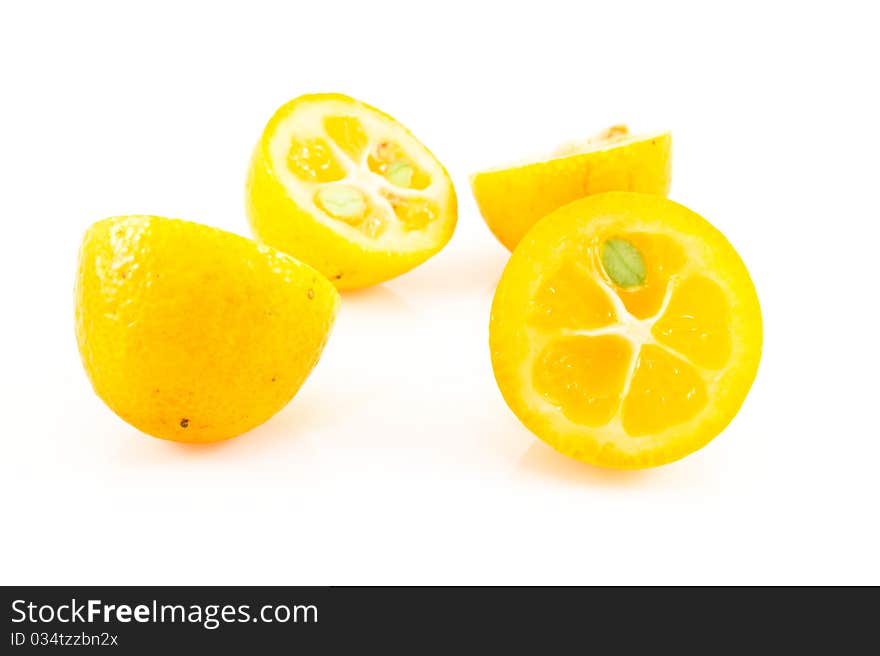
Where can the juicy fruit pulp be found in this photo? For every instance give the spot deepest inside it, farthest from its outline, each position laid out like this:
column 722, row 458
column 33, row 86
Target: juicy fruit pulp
column 345, row 188
column 513, row 198
column 625, row 330
column 193, row 334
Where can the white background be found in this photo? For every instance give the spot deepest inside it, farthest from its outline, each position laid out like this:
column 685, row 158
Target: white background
column 399, row 462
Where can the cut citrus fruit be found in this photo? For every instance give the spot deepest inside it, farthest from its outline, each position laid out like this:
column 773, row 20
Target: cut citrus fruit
column 625, row 331
column 513, row 198
column 342, row 186
column 193, row 334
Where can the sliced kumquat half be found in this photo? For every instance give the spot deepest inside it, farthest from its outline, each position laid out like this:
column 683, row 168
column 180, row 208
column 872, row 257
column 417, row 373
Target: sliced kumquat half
column 625, row 330
column 513, row 197
column 344, row 187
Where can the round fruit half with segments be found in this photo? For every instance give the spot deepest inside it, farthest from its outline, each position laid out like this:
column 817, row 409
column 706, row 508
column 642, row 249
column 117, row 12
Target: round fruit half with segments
column 193, row 334
column 513, row 198
column 625, row 331
column 347, row 189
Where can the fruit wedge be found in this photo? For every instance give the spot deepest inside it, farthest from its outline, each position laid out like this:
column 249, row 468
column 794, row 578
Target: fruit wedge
column 513, row 198
column 347, row 189
column 625, row 331
column 193, row 334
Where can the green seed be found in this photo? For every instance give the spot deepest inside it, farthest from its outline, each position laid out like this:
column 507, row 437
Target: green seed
column 400, row 174
column 342, row 201
column 624, row 263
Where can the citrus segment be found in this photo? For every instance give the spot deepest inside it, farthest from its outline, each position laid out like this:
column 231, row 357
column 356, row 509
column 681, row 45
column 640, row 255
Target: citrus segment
column 628, row 358
column 513, row 198
column 413, row 213
column 584, row 376
column 665, row 391
column 347, row 189
column 570, row 298
column 696, row 323
column 312, row 160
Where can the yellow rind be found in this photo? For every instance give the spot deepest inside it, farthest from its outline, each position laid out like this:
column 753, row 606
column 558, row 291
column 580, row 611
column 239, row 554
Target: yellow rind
column 194, row 334
column 276, row 219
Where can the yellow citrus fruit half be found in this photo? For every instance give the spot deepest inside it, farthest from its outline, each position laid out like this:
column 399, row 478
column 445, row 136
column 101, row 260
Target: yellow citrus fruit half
column 193, row 334
column 625, row 331
column 513, row 198
column 349, row 190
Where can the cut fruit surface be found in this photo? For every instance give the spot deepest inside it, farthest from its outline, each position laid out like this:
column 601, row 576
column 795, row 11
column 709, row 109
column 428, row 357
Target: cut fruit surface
column 513, row 198
column 347, row 189
column 625, row 331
